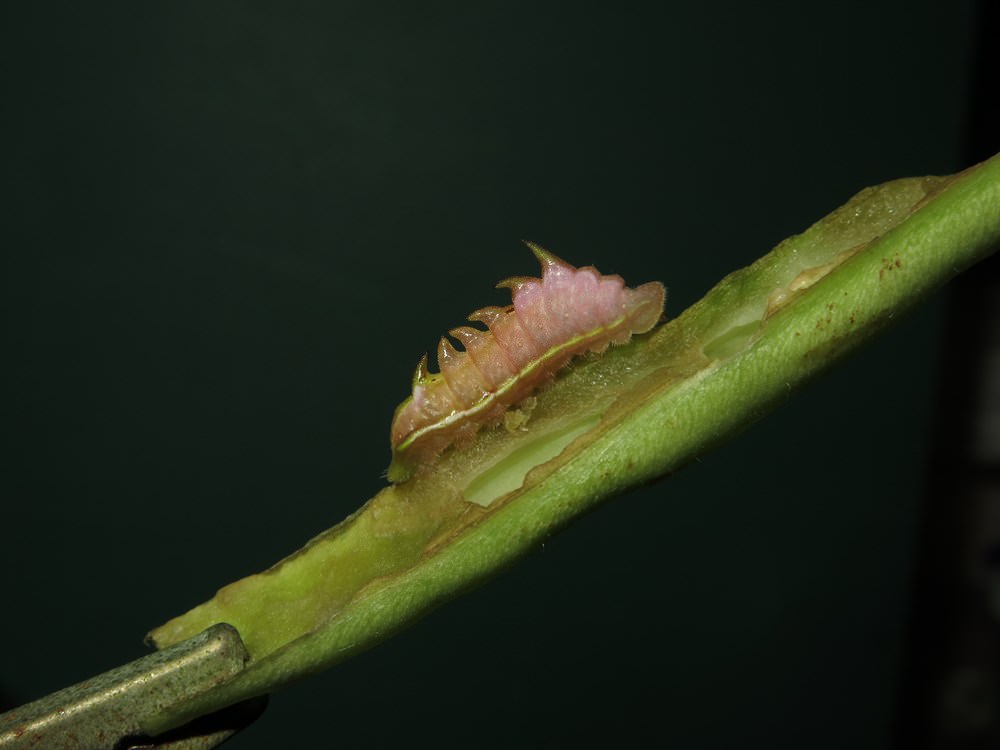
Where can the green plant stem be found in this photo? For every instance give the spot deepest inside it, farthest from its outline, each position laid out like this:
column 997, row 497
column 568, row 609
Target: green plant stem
column 611, row 423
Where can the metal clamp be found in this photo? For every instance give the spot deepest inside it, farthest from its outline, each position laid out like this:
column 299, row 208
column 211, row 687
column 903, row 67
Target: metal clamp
column 104, row 712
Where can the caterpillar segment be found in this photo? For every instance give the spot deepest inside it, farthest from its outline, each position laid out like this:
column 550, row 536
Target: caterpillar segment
column 566, row 312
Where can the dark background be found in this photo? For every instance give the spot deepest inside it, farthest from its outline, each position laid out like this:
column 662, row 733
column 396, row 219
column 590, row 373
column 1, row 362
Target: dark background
column 230, row 230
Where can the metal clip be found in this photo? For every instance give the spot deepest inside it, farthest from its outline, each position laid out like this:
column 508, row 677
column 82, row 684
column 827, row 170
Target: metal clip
column 105, row 712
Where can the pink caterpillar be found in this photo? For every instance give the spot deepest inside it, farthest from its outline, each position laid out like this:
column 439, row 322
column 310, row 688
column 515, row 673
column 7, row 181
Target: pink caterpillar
column 567, row 312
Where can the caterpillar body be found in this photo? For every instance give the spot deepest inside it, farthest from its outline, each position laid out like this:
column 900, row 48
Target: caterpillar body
column 568, row 311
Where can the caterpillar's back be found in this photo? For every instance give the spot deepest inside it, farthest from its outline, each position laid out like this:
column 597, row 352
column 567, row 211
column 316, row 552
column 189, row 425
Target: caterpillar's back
column 567, row 312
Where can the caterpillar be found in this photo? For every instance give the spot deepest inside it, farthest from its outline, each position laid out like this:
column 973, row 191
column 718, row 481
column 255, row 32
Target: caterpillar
column 568, row 311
